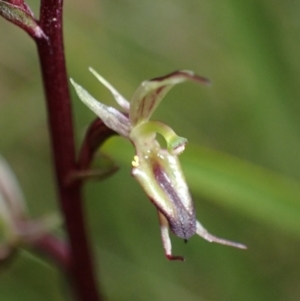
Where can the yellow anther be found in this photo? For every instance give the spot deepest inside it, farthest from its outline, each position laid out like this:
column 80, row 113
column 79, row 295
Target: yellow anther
column 135, row 162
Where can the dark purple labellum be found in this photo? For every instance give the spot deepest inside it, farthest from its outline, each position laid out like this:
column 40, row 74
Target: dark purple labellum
column 182, row 220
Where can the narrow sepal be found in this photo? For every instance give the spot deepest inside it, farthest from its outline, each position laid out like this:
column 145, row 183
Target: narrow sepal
column 110, row 116
column 118, row 97
column 201, row 231
column 165, row 237
column 150, row 93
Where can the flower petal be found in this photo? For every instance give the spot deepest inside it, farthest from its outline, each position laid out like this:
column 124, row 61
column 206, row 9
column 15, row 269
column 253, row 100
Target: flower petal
column 201, row 231
column 175, row 144
column 150, row 93
column 112, row 118
column 165, row 237
column 118, row 97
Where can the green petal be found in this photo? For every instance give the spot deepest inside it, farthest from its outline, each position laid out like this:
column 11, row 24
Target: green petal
column 112, row 118
column 150, row 93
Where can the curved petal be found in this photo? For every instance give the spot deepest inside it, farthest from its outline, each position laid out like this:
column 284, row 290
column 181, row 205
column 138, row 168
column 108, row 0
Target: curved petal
column 175, row 143
column 112, row 118
column 150, row 93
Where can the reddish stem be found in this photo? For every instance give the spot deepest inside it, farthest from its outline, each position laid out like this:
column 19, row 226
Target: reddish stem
column 51, row 54
column 96, row 134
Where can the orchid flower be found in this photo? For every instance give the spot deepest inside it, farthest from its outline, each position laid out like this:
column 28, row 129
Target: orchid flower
column 156, row 169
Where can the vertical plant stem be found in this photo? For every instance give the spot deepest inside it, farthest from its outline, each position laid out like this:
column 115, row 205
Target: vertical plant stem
column 51, row 54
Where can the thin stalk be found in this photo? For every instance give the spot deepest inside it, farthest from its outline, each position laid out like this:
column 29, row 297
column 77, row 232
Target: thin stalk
column 55, row 249
column 52, row 60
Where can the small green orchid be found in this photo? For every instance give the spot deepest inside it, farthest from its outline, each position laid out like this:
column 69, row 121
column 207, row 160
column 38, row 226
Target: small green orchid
column 156, row 169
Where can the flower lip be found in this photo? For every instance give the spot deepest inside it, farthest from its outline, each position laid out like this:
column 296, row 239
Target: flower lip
column 183, row 221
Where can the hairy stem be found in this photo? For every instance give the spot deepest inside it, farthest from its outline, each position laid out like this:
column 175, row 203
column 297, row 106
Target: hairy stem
column 51, row 54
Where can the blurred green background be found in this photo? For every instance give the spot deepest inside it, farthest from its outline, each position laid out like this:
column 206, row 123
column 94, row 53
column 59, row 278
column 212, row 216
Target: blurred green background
column 242, row 162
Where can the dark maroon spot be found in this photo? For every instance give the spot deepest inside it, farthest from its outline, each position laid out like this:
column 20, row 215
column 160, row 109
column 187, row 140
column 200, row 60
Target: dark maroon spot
column 152, row 103
column 158, row 90
column 193, row 77
column 141, row 107
column 171, row 257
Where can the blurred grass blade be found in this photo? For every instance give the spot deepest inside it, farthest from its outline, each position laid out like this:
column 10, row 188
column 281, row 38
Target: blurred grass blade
column 248, row 188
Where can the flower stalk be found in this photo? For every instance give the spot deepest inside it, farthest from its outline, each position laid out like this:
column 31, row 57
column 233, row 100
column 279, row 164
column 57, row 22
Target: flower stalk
column 75, row 254
column 52, row 60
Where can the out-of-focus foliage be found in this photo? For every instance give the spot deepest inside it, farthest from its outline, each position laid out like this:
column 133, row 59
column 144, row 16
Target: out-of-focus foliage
column 242, row 161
